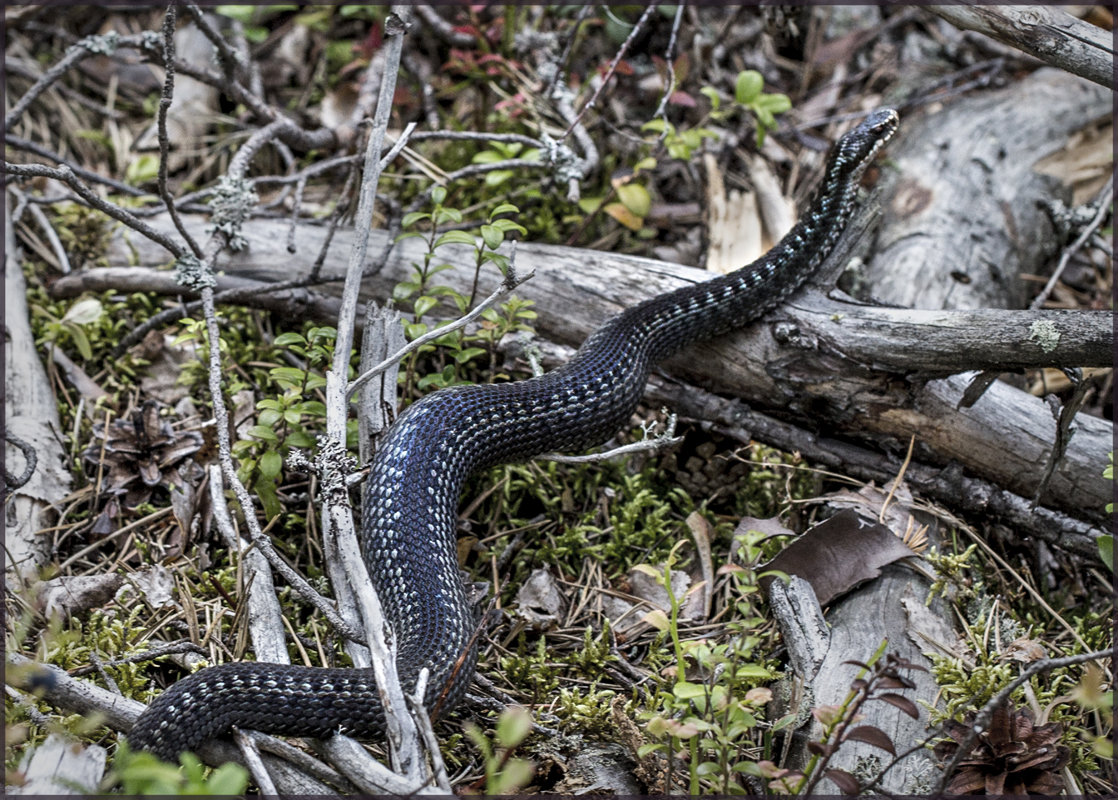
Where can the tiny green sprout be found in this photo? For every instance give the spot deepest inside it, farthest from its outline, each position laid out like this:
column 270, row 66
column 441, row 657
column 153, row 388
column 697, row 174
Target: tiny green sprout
column 71, row 326
column 504, row 774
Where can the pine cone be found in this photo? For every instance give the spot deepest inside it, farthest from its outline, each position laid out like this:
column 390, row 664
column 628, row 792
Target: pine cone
column 1012, row 757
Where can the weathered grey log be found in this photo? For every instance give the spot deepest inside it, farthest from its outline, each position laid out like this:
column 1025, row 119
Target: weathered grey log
column 916, row 342
column 61, row 766
column 1051, row 34
column 962, row 220
column 30, row 413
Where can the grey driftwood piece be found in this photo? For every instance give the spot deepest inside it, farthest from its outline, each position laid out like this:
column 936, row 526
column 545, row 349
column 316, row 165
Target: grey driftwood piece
column 31, row 414
column 962, row 221
column 61, row 766
column 794, row 360
column 1050, row 34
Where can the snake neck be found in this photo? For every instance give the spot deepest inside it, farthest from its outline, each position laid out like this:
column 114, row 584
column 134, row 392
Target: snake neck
column 704, row 310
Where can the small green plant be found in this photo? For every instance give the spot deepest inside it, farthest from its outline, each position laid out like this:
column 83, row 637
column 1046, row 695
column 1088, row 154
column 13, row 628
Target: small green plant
column 289, row 417
column 712, row 719
column 141, row 773
column 70, row 327
column 504, row 151
column 504, row 773
column 680, row 145
column 748, row 97
column 454, row 352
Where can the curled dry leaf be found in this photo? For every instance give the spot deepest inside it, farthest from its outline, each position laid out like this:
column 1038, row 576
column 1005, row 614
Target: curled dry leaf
column 539, row 601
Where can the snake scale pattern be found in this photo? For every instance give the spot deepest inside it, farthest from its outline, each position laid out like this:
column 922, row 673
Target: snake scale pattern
column 408, row 522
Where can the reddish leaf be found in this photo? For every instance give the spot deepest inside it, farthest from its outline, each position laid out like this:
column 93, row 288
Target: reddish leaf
column 846, row 782
column 903, row 703
column 682, row 99
column 873, row 736
column 894, row 682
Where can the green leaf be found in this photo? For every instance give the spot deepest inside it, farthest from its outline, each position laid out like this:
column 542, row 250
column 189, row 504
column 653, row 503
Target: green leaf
column 513, row 726
column 658, row 126
column 424, row 304
column 504, row 208
column 748, row 86
column 413, row 217
column 590, row 204
column 415, row 329
column 685, row 690
column 455, row 237
column 228, row 779
column 438, row 195
column 773, row 103
column 141, row 169
column 269, row 417
column 266, row 491
column 645, row 164
column 492, row 237
column 1106, row 550
column 300, row 439
column 404, row 289
column 263, row 433
column 270, row 464
column 289, row 338
column 444, row 215
column 516, row 774
column 635, row 198
column 463, row 356
column 505, row 225
column 752, row 671
column 81, row 341
column 497, row 177
column 711, row 94
column 84, row 312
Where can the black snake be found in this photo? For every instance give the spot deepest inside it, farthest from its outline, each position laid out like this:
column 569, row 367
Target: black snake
column 408, row 524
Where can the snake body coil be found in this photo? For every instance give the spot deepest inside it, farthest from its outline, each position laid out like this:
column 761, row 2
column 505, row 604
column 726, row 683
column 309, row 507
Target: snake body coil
column 408, row 523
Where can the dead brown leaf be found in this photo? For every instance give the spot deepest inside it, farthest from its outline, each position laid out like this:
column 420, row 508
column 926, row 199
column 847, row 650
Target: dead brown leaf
column 838, row 554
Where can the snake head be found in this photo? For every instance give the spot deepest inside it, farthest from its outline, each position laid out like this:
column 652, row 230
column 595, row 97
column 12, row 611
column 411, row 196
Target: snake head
column 856, row 149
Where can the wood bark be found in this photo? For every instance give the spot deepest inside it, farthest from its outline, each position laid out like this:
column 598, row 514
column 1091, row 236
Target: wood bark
column 31, row 414
column 962, row 218
column 1050, row 34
